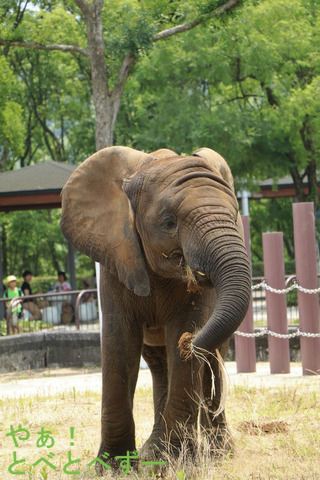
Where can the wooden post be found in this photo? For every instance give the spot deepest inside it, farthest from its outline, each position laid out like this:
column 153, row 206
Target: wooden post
column 274, row 274
column 306, row 271
column 245, row 347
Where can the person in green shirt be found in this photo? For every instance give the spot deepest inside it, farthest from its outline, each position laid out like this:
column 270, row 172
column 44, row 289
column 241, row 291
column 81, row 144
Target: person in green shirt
column 12, row 292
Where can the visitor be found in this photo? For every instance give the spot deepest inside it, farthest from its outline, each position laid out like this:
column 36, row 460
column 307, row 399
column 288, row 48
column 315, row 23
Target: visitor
column 87, row 310
column 67, row 311
column 62, row 285
column 11, row 292
column 29, row 304
column 87, row 297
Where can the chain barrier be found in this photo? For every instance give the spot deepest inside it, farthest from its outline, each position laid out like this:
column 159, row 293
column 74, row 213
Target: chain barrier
column 266, row 331
column 295, row 285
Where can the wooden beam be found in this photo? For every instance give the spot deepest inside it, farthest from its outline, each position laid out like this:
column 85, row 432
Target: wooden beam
column 33, row 201
column 281, row 192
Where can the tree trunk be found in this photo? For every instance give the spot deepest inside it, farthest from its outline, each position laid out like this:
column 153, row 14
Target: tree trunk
column 4, row 248
column 55, row 260
column 99, row 77
column 306, row 134
column 106, row 102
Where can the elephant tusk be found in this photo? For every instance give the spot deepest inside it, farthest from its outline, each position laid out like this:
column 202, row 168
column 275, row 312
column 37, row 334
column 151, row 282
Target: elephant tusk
column 201, row 273
column 165, row 256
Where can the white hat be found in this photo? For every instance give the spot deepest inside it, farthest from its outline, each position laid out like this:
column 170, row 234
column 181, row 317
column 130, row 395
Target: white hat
column 11, row 278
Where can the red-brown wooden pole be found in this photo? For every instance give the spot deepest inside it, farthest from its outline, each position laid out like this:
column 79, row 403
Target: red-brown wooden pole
column 274, row 274
column 306, row 271
column 245, row 347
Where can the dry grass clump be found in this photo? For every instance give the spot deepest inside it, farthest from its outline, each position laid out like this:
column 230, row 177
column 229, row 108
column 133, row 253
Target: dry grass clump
column 276, row 432
column 258, row 427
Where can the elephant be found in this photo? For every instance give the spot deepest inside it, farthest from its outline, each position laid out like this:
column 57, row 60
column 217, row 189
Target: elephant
column 175, row 283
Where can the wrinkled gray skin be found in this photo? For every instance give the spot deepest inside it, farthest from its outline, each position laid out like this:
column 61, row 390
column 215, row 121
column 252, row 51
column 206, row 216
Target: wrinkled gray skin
column 167, row 233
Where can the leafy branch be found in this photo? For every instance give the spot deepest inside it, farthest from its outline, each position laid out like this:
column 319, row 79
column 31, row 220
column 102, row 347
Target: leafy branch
column 85, row 8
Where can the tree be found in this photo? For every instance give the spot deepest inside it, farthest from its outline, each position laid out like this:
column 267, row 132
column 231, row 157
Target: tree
column 12, row 128
column 272, row 73
column 56, row 107
column 111, row 56
column 29, row 240
column 249, row 90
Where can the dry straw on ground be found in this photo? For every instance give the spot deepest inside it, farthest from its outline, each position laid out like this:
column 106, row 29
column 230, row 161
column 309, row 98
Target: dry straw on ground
column 276, row 431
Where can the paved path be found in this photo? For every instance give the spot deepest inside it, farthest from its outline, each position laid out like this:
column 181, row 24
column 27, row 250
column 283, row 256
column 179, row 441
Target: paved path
column 50, row 382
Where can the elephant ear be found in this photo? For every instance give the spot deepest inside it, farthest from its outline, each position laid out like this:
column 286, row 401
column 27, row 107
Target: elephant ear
column 217, row 162
column 98, row 219
column 164, row 153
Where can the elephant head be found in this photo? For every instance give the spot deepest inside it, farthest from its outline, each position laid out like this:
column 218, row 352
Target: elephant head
column 163, row 215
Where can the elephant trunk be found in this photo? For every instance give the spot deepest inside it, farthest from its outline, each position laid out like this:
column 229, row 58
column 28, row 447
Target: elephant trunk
column 226, row 264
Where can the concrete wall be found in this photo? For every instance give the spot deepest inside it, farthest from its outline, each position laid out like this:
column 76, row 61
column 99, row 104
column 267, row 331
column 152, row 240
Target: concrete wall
column 49, row 349
column 82, row 349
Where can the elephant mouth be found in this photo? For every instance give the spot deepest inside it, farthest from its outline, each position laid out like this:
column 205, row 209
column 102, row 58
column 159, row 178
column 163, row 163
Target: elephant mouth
column 196, row 279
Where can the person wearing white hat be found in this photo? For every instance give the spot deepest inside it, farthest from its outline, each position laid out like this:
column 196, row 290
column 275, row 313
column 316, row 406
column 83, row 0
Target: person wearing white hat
column 12, row 292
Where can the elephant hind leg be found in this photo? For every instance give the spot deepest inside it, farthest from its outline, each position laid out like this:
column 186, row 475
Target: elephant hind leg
column 212, row 414
column 156, row 358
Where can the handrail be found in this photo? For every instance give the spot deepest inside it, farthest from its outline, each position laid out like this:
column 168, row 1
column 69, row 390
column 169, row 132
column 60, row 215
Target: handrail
column 20, row 299
column 290, row 279
column 49, row 294
column 17, row 300
column 76, row 307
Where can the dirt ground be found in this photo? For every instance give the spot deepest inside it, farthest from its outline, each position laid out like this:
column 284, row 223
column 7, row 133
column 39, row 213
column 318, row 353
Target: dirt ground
column 273, row 418
column 51, row 381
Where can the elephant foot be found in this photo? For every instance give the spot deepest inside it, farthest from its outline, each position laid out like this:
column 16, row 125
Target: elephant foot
column 221, row 442
column 157, row 448
column 153, row 449
column 116, row 463
column 153, row 456
column 161, row 454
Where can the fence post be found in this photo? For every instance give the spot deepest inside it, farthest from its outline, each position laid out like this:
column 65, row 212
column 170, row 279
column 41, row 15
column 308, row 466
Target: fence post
column 274, row 273
column 306, row 271
column 245, row 347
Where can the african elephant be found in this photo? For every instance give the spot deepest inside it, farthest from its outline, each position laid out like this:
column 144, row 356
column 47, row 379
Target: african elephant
column 167, row 233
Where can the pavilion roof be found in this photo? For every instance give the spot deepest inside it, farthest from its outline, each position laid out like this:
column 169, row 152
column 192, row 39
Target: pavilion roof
column 34, row 187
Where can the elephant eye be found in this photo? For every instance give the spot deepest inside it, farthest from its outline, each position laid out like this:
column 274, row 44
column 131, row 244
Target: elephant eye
column 169, row 223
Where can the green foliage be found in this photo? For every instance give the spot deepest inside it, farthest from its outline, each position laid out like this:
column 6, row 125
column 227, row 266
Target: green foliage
column 258, row 268
column 273, row 215
column 12, row 129
column 214, row 87
column 51, row 89
column 32, row 239
column 34, row 242
column 26, row 326
column 292, row 298
column 247, row 87
column 57, row 108
column 249, row 90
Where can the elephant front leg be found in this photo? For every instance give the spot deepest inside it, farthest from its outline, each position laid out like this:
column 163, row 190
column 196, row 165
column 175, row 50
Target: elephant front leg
column 120, row 367
column 212, row 415
column 156, row 358
column 181, row 411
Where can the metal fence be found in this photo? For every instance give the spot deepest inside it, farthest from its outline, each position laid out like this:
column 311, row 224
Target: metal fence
column 73, row 310
column 260, row 304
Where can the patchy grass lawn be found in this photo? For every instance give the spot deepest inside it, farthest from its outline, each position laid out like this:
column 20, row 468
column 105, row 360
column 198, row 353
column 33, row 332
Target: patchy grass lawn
column 276, row 430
